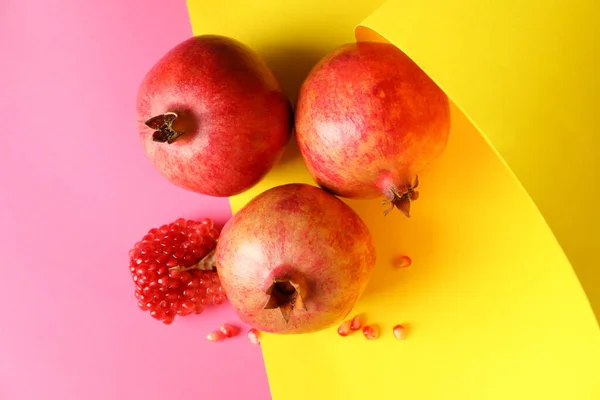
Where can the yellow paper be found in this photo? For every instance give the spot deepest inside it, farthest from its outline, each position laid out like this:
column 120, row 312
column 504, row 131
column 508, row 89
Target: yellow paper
column 526, row 73
column 493, row 307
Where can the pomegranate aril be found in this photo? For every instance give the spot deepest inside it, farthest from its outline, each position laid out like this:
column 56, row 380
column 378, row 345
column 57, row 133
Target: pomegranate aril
column 229, row 330
column 402, row 262
column 399, row 332
column 370, row 332
column 212, row 289
column 202, row 230
column 172, row 295
column 207, row 300
column 178, row 254
column 208, row 223
column 356, row 323
column 204, row 282
column 214, row 234
column 185, row 277
column 254, row 336
column 157, row 313
column 188, row 305
column 163, row 281
column 162, row 270
column 172, row 261
column 216, row 336
column 344, row 328
column 163, row 286
column 169, row 317
column 218, row 299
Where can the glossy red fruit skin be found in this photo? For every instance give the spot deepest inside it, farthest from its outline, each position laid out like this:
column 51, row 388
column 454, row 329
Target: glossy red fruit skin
column 368, row 120
column 235, row 115
column 298, row 231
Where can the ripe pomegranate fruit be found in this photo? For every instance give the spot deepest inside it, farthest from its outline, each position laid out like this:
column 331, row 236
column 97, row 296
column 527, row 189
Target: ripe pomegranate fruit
column 368, row 121
column 295, row 259
column 173, row 269
column 212, row 116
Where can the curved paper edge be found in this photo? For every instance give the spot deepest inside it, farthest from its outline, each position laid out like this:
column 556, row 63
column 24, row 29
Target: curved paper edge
column 366, row 32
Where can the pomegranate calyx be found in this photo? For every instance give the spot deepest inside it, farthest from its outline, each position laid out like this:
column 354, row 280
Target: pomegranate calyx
column 208, row 263
column 163, row 128
column 285, row 295
column 402, row 200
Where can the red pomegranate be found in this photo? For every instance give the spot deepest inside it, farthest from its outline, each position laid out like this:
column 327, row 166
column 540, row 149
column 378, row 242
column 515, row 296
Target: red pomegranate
column 368, row 121
column 295, row 259
column 212, row 116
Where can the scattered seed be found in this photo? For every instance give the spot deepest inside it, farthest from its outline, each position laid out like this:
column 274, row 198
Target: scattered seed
column 370, row 332
column 216, row 336
column 399, row 332
column 230, row 330
column 254, row 336
column 344, row 328
column 356, row 323
column 402, row 262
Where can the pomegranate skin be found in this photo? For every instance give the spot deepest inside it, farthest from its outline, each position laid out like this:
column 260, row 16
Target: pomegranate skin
column 368, row 120
column 301, row 233
column 235, row 118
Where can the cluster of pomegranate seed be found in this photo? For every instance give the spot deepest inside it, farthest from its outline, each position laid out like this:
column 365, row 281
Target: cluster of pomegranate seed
column 173, row 269
column 370, row 332
column 348, row 326
column 226, row 331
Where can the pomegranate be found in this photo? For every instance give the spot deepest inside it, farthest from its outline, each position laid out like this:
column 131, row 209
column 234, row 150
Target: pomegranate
column 295, row 259
column 368, row 121
column 212, row 116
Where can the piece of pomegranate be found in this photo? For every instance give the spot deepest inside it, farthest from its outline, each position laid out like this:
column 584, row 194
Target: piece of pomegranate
column 295, row 259
column 368, row 121
column 212, row 116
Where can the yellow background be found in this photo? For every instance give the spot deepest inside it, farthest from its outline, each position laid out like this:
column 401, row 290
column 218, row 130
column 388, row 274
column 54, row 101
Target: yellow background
column 492, row 304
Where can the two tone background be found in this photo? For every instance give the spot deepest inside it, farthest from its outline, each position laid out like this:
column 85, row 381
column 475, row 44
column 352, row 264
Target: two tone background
column 501, row 296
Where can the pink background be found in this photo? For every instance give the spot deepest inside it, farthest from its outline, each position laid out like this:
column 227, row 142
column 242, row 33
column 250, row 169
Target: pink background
column 76, row 193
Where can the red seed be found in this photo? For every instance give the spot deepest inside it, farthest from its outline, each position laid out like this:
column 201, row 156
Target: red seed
column 230, row 330
column 216, row 336
column 344, row 328
column 399, row 332
column 370, row 332
column 254, row 336
column 356, row 323
column 402, row 262
column 218, row 299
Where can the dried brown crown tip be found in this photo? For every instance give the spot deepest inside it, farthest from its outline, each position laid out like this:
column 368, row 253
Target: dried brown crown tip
column 402, row 200
column 163, row 128
column 285, row 295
